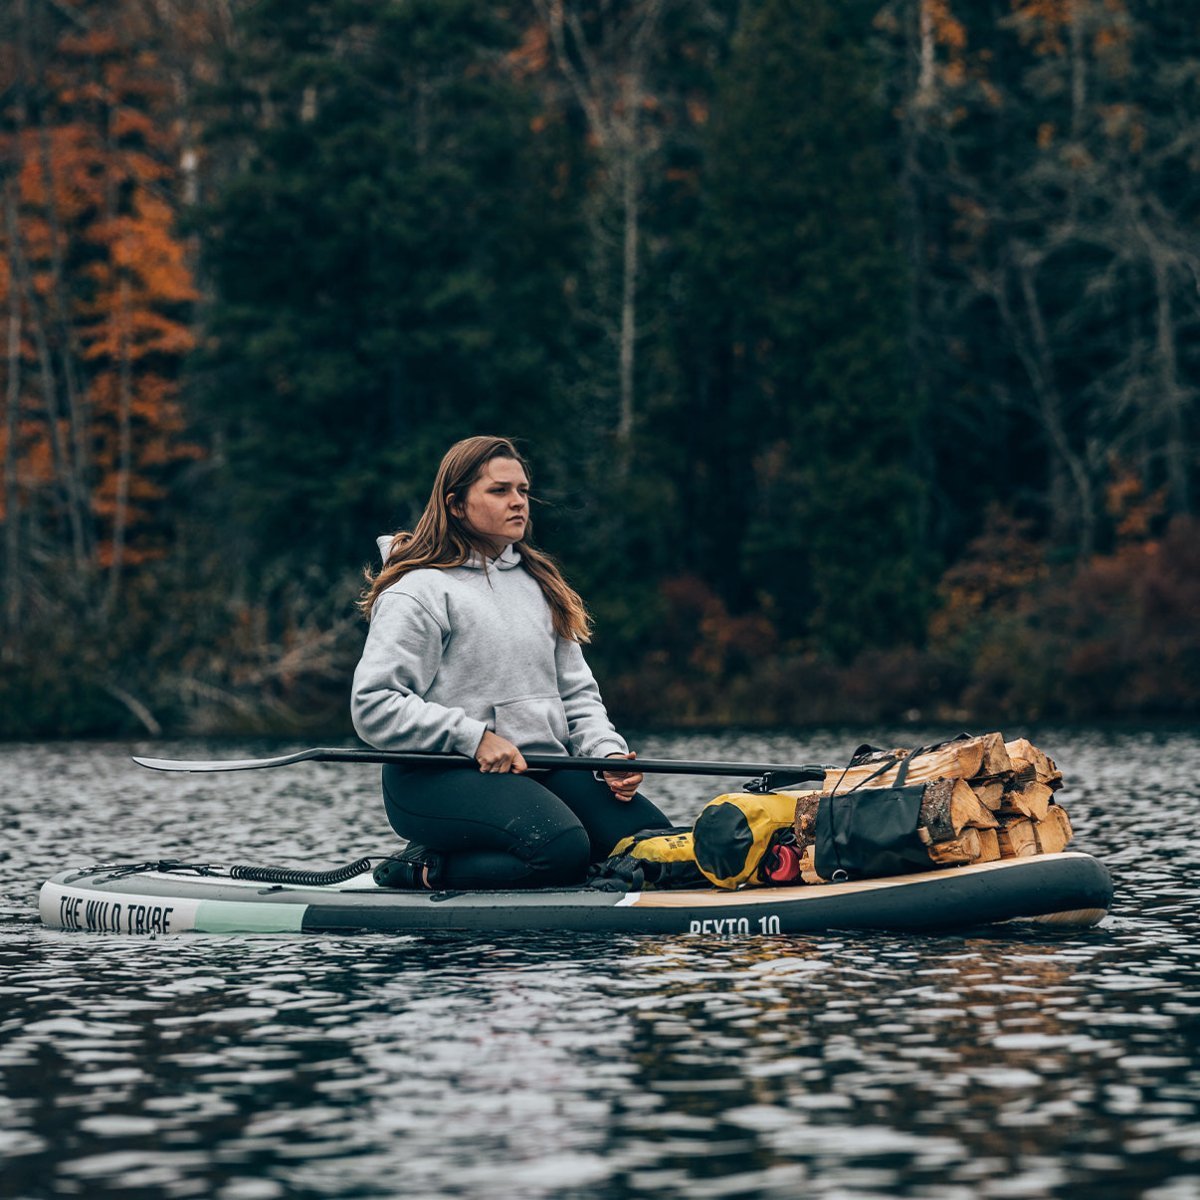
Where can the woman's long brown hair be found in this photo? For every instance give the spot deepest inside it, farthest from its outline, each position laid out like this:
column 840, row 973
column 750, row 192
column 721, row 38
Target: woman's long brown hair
column 441, row 539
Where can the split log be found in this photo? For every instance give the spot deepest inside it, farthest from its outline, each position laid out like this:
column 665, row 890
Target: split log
column 1054, row 832
column 968, row 759
column 949, row 807
column 808, row 866
column 996, row 760
column 989, row 841
column 972, row 846
column 1030, row 799
column 965, row 849
column 1028, row 762
column 989, row 792
column 1017, row 838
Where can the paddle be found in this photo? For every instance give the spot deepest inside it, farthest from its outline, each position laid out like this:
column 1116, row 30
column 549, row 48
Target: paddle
column 769, row 775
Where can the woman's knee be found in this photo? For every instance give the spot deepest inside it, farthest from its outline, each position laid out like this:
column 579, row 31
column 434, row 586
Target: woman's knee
column 560, row 859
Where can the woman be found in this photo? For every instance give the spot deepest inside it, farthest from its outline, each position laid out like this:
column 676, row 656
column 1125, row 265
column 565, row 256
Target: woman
column 474, row 648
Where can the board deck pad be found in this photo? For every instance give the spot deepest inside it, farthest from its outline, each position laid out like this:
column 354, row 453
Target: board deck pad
column 1069, row 888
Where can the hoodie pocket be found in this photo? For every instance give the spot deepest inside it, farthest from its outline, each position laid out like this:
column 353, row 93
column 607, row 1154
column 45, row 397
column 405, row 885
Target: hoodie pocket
column 534, row 723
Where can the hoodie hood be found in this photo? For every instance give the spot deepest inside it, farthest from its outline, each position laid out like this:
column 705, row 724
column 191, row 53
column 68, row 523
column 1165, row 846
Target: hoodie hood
column 508, row 558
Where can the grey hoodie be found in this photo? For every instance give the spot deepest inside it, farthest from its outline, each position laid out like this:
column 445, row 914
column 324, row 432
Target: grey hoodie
column 452, row 652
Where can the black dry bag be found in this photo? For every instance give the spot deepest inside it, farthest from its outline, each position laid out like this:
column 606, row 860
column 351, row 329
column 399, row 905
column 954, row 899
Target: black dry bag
column 871, row 832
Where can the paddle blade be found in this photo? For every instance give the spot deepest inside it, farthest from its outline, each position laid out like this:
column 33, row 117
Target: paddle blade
column 221, row 764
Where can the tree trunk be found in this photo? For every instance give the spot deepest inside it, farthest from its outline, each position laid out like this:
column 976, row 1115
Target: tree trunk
column 53, row 411
column 119, row 341
column 1078, row 70
column 12, row 515
column 608, row 87
column 1050, row 408
column 78, row 419
column 920, row 86
column 924, row 92
column 12, row 172
column 124, row 443
column 1173, row 395
column 629, row 282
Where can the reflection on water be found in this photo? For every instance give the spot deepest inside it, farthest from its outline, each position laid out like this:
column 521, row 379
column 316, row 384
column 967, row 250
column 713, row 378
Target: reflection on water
column 1023, row 1064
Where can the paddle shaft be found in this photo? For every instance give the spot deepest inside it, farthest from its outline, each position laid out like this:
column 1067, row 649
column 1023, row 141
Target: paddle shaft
column 536, row 762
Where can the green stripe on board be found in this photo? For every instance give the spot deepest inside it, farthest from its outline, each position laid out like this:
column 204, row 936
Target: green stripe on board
column 235, row 916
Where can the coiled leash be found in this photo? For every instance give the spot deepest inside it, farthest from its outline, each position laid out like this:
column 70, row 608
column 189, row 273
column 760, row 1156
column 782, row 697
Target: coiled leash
column 297, row 878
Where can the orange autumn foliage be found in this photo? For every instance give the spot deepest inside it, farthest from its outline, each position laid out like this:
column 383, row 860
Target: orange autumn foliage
column 1131, row 510
column 999, row 568
column 1110, row 635
column 98, row 278
column 1043, row 22
column 948, row 30
column 1046, row 24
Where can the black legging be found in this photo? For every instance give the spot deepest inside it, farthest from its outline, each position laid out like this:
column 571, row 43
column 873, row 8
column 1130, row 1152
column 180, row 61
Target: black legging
column 512, row 831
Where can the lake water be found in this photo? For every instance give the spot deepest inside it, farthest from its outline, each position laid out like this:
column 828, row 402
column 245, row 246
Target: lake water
column 1019, row 1064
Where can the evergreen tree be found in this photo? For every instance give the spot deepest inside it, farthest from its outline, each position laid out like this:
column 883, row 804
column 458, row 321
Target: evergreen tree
column 387, row 262
column 803, row 424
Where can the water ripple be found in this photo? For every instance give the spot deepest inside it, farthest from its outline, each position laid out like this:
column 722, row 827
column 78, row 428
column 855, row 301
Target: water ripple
column 1018, row 1064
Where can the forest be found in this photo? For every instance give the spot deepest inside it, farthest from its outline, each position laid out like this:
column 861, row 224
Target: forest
column 854, row 344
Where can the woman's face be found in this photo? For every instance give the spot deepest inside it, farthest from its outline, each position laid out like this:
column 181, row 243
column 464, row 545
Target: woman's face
column 496, row 507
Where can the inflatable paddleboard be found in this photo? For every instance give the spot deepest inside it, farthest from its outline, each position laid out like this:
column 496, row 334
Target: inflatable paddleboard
column 1069, row 889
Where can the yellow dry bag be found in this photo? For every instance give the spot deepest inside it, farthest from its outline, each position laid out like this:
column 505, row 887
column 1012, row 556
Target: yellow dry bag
column 733, row 832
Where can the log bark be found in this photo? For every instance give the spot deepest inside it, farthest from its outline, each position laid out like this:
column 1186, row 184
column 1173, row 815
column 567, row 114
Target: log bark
column 949, row 807
column 805, row 824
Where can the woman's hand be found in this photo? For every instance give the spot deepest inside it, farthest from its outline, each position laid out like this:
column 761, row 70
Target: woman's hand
column 624, row 784
column 497, row 755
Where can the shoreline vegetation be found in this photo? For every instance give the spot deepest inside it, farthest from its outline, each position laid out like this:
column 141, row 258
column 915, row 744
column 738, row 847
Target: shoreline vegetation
column 1013, row 640
column 851, row 341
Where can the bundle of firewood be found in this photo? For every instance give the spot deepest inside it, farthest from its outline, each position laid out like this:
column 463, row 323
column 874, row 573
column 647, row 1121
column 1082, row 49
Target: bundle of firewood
column 985, row 799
